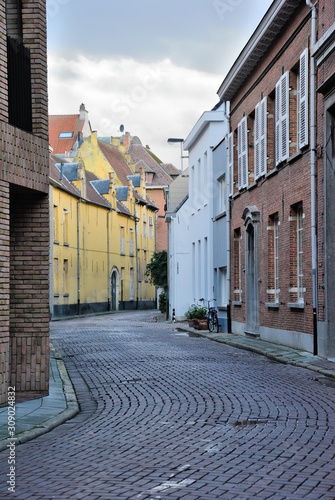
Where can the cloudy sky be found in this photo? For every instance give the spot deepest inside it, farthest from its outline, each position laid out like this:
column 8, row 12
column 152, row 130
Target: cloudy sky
column 153, row 66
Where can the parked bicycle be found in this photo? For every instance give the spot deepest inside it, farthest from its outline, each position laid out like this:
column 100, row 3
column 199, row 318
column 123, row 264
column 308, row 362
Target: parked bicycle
column 212, row 316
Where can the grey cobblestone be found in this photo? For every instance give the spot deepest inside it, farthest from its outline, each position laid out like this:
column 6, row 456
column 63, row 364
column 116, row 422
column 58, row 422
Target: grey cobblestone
column 164, row 415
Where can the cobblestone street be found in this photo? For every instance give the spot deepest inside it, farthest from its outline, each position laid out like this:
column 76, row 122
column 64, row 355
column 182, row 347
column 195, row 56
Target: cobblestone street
column 165, row 414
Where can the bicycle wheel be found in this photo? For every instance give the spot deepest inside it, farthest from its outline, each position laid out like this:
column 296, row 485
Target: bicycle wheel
column 216, row 324
column 210, row 324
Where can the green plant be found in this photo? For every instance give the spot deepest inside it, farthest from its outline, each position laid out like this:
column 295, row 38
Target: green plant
column 157, row 269
column 162, row 302
column 196, row 312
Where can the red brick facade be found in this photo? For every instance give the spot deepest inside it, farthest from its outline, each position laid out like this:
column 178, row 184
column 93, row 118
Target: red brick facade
column 275, row 298
column 24, row 206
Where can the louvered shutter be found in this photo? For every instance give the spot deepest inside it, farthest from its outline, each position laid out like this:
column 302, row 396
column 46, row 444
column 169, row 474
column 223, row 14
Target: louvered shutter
column 260, row 134
column 303, row 100
column 285, row 146
column 282, row 119
column 231, row 162
column 257, row 139
column 263, row 136
column 242, row 133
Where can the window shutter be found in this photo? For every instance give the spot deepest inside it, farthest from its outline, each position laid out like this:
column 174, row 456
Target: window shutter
column 231, row 163
column 242, row 153
column 257, row 137
column 263, row 136
column 282, row 119
column 303, row 100
column 260, row 134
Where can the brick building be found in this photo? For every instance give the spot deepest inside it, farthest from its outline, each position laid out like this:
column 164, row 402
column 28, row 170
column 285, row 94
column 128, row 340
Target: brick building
column 323, row 51
column 269, row 161
column 24, row 213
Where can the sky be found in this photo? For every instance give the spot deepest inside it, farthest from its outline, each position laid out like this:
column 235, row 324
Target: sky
column 153, row 66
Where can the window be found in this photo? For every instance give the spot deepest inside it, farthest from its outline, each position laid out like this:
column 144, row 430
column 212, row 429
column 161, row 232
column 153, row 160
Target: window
column 223, row 300
column 122, row 241
column 273, row 260
column 131, row 243
column 296, row 256
column 56, row 223
column 260, row 138
column 282, row 119
column 237, row 266
column 56, row 276
column 65, row 277
column 65, row 226
column 231, row 163
column 151, row 227
column 242, row 137
column 65, row 135
column 303, row 100
column 131, row 284
column 222, row 198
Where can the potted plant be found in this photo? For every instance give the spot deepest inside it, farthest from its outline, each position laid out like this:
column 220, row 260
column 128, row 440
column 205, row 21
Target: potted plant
column 196, row 316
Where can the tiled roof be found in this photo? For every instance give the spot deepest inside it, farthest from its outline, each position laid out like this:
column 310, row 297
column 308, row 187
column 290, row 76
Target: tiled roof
column 140, row 154
column 117, row 161
column 171, row 169
column 64, row 123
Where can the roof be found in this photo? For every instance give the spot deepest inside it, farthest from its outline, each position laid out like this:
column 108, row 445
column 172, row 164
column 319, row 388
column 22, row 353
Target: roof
column 142, row 157
column 72, row 127
column 117, row 161
column 272, row 24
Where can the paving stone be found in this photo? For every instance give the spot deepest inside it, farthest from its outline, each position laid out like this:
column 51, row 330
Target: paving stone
column 173, row 416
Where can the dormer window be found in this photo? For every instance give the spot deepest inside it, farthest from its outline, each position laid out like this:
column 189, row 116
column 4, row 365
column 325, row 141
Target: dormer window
column 65, row 135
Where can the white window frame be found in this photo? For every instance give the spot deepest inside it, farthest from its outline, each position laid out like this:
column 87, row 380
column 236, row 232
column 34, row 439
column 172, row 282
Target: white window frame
column 242, row 138
column 282, row 107
column 260, row 135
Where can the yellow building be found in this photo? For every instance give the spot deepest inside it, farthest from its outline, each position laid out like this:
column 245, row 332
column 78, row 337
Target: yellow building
column 103, row 235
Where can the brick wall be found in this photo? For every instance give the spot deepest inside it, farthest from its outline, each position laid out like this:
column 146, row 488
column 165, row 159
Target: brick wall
column 4, row 289
column 278, row 191
column 29, row 290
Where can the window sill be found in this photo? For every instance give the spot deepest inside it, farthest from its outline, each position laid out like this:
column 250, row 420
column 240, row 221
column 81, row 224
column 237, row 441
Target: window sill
column 66, row 244
column 296, row 305
column 222, row 308
column 237, row 303
column 272, row 305
column 220, row 215
column 66, row 295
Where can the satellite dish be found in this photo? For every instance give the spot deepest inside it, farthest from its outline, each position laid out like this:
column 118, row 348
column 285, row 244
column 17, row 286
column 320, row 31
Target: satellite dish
column 121, row 128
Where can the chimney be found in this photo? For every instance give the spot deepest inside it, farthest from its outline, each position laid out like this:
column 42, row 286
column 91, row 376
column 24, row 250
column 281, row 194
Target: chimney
column 82, row 112
column 126, row 141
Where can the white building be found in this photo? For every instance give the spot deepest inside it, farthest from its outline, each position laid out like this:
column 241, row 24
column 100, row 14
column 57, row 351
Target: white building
column 191, row 251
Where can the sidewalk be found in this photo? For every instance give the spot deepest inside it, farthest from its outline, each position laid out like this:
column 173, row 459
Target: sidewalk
column 36, row 417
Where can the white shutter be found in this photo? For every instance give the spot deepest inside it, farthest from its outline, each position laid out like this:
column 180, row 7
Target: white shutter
column 303, row 100
column 263, row 136
column 282, row 119
column 231, row 163
column 285, row 103
column 257, row 140
column 260, row 134
column 242, row 133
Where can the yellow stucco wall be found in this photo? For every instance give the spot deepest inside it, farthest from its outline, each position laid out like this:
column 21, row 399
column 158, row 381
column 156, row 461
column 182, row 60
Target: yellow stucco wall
column 91, row 245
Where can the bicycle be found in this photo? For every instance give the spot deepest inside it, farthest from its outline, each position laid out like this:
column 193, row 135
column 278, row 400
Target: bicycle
column 212, row 317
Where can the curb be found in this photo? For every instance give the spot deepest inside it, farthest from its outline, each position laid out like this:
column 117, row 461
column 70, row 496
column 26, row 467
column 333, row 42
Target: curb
column 46, row 426
column 271, row 355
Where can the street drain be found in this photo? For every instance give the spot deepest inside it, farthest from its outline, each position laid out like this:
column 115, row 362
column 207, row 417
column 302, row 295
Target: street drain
column 244, row 423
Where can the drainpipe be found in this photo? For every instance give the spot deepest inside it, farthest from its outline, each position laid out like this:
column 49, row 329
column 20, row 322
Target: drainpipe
column 227, row 116
column 78, row 256
column 137, row 274
column 108, row 263
column 313, row 176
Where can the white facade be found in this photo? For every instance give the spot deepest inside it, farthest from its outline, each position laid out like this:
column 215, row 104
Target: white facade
column 191, row 275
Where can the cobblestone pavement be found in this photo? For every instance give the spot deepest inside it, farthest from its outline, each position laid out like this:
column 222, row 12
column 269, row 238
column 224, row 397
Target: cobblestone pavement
column 166, row 415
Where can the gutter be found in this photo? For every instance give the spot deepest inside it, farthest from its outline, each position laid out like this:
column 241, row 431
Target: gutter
column 313, row 175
